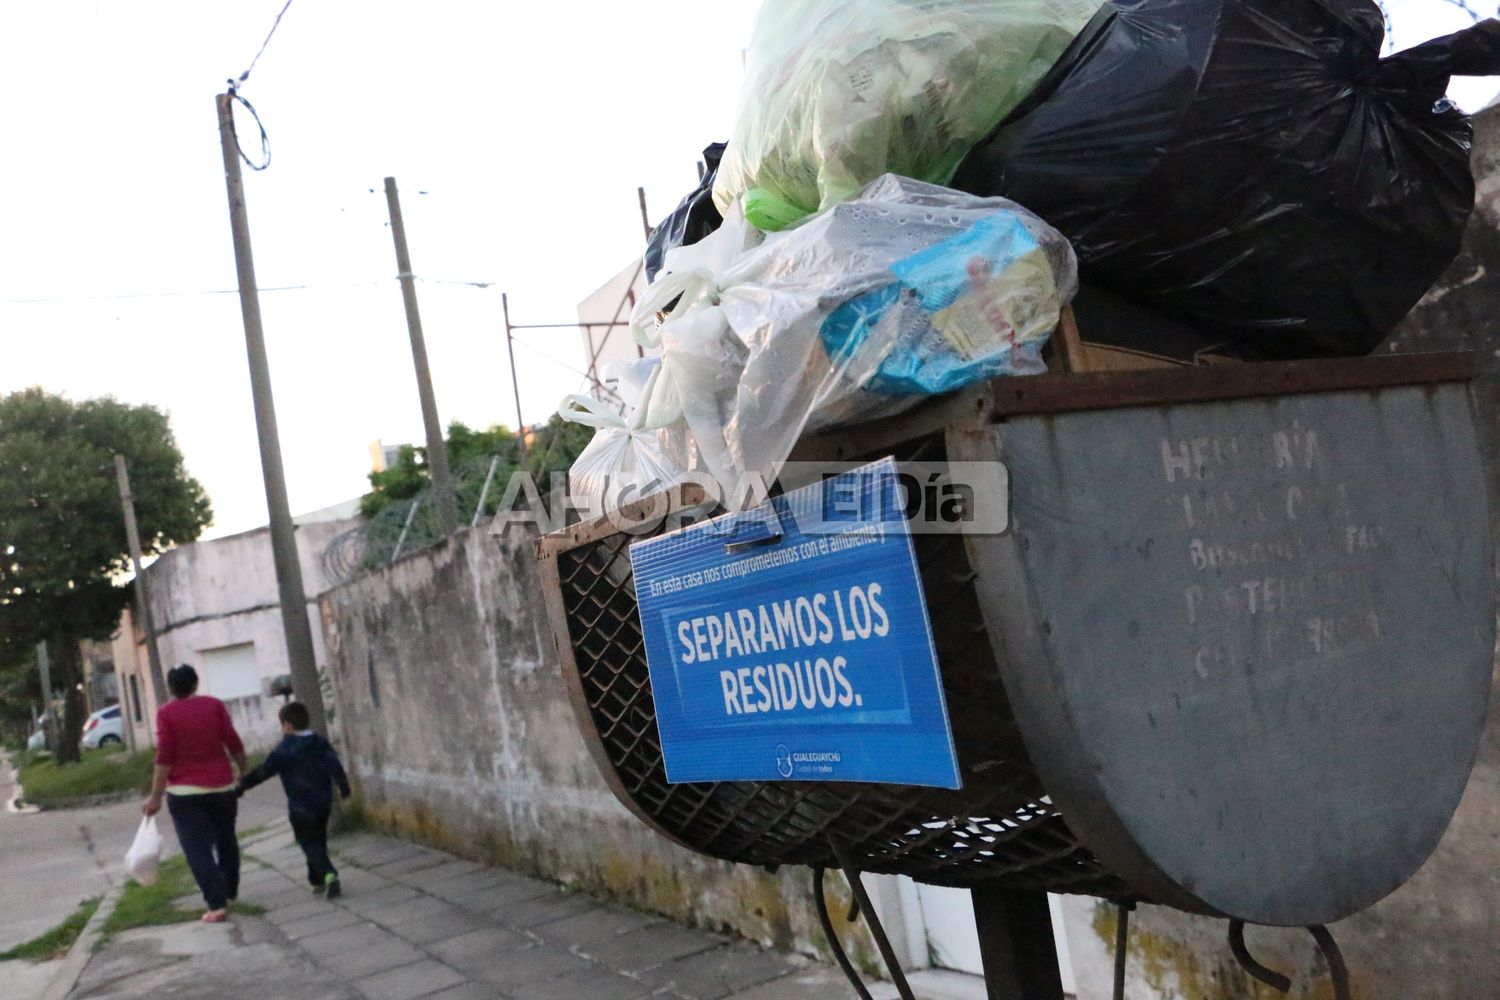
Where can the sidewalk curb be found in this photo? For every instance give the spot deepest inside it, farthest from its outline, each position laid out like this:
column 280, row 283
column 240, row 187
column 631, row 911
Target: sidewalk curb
column 78, row 956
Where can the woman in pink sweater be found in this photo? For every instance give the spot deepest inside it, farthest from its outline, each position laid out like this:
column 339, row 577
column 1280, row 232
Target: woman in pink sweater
column 195, row 744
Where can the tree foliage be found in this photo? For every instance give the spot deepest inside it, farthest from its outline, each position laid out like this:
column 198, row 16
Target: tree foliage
column 553, row 446
column 63, row 549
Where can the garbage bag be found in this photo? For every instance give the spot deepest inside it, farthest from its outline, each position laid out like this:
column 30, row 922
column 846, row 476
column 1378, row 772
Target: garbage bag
column 143, row 859
column 694, row 218
column 626, row 459
column 908, row 290
column 1252, row 166
column 839, row 92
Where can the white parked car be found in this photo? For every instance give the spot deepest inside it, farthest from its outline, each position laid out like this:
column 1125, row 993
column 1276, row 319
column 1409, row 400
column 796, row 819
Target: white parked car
column 103, row 728
column 38, row 740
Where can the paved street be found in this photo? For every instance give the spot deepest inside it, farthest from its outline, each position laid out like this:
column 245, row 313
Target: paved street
column 52, row 861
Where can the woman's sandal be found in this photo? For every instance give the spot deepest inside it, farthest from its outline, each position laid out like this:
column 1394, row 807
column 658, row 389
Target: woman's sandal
column 216, row 916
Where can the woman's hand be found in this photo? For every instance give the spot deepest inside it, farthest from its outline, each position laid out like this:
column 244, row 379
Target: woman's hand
column 152, row 806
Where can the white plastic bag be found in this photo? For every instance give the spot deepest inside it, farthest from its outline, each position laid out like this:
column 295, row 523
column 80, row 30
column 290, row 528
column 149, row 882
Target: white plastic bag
column 909, row 290
column 144, row 857
column 839, row 92
column 626, row 459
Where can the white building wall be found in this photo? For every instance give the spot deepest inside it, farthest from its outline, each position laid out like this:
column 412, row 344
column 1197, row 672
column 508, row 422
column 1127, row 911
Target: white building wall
column 216, row 608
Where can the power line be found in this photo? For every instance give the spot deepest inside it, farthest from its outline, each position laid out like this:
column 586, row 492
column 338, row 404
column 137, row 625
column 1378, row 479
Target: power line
column 186, row 293
column 261, row 51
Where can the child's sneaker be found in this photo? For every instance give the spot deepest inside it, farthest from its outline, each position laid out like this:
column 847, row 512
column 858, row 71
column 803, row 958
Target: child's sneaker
column 333, row 888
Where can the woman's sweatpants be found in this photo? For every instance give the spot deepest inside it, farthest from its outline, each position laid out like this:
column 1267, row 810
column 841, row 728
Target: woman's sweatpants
column 205, row 829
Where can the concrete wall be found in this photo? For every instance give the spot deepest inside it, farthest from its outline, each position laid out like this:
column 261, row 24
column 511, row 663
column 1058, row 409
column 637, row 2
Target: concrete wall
column 1438, row 937
column 221, row 593
column 453, row 712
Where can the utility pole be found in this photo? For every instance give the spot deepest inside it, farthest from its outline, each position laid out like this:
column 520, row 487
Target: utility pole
column 49, row 725
column 645, row 216
column 515, row 382
column 444, row 505
column 133, row 537
column 294, row 623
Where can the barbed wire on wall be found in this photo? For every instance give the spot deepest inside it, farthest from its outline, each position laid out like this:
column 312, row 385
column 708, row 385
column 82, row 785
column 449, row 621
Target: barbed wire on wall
column 408, row 526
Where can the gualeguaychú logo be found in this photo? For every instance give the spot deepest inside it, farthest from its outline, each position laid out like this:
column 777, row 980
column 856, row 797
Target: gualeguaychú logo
column 783, row 761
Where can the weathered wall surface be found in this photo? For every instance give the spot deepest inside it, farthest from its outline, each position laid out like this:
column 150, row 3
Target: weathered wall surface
column 1438, row 937
column 220, row 593
column 454, row 715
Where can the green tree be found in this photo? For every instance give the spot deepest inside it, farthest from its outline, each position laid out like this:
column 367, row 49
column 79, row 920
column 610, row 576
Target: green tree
column 63, row 551
column 468, row 449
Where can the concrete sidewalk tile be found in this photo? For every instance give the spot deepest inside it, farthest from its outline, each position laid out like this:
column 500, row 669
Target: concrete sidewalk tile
column 478, row 945
column 811, row 983
column 534, row 913
column 466, row 884
column 451, row 867
column 357, row 880
column 331, row 919
column 719, row 973
column 592, row 984
column 378, row 854
column 342, row 939
column 468, row 991
column 408, row 982
column 370, row 903
column 593, row 926
column 352, row 965
column 416, row 862
column 518, row 889
column 655, row 945
column 306, row 906
column 512, row 970
column 449, row 923
column 408, row 910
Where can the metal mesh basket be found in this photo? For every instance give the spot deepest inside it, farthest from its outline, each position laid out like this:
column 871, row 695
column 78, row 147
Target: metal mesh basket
column 1000, row 829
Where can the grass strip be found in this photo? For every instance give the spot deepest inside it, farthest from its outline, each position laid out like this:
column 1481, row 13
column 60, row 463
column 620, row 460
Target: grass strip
column 55, row 943
column 154, row 905
column 100, row 772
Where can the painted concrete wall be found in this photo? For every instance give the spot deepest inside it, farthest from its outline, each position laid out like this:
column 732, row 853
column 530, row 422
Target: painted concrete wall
column 221, row 593
column 1438, row 937
column 454, row 716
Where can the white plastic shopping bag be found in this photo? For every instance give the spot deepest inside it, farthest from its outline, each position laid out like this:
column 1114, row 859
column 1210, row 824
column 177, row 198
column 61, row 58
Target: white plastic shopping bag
column 144, row 857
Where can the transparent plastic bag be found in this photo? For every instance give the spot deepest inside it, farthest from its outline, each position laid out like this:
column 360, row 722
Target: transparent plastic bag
column 626, row 458
column 907, row 291
column 839, row 92
column 143, row 859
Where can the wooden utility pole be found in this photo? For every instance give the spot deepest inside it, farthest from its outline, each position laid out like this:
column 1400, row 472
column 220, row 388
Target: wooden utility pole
column 294, row 623
column 515, row 381
column 142, row 603
column 444, row 505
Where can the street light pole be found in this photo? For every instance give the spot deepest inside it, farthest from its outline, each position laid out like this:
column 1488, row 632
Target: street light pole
column 445, row 506
column 294, row 623
column 142, row 602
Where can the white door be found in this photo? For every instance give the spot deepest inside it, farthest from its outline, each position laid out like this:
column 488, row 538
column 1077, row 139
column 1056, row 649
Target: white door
column 953, row 940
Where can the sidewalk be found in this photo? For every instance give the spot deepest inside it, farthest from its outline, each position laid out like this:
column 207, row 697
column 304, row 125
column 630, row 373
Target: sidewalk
column 417, row 923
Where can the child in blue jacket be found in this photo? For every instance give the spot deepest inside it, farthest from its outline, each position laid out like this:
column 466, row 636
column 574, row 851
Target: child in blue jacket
column 309, row 768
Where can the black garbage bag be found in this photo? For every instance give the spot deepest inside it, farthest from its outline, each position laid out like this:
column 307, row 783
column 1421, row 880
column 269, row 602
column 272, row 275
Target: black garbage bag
column 1250, row 166
column 694, row 218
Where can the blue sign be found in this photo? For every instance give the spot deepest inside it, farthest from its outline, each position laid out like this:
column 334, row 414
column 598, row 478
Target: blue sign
column 792, row 642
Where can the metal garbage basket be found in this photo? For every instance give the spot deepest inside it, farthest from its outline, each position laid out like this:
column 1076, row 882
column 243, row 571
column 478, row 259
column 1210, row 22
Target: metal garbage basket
column 1233, row 654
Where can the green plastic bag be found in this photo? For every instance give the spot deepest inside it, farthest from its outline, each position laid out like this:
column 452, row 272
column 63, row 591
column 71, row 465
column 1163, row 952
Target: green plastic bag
column 839, row 92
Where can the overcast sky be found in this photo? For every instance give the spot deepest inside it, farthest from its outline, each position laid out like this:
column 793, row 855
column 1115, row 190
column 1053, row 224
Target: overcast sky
column 529, row 127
